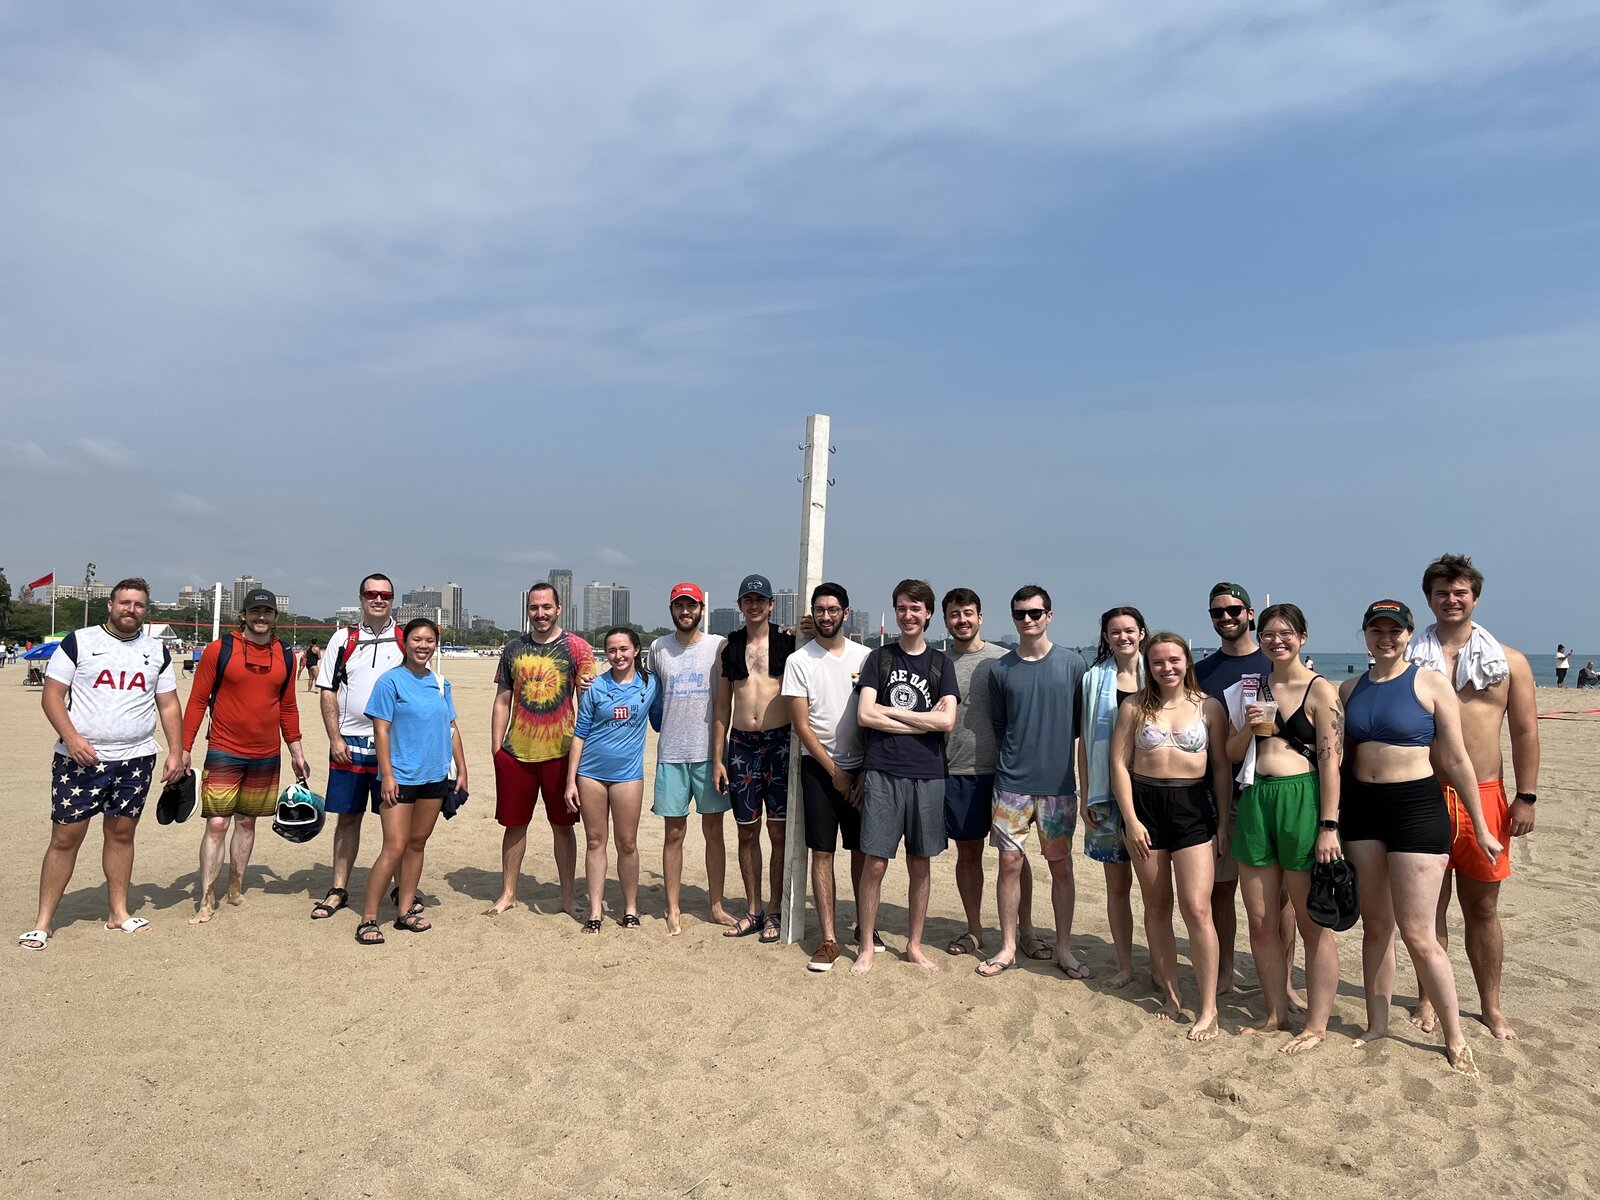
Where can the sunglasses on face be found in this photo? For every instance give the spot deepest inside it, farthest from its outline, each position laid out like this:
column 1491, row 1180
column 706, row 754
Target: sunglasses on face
column 1028, row 614
column 1230, row 610
column 377, row 595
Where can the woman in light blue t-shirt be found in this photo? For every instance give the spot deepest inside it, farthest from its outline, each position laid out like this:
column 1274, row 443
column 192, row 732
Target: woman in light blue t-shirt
column 416, row 739
column 605, row 770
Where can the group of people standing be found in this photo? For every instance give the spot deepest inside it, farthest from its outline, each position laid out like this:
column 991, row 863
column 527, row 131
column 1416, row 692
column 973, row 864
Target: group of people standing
column 1199, row 781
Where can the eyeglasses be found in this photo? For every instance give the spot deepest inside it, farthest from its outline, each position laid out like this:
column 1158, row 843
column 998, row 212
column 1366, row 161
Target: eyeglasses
column 1028, row 614
column 1230, row 610
column 818, row 610
column 1288, row 635
column 377, row 595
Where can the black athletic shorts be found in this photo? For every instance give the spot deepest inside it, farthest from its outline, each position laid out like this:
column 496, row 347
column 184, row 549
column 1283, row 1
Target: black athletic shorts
column 1177, row 813
column 830, row 818
column 1408, row 818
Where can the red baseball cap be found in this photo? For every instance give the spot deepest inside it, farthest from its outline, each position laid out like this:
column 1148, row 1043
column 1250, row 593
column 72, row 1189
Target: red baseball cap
column 691, row 590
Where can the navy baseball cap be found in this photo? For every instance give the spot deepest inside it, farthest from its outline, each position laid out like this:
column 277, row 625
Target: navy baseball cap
column 756, row 585
column 259, row 598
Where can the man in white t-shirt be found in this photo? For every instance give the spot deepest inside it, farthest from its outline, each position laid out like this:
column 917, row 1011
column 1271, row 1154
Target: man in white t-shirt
column 685, row 663
column 354, row 659
column 103, row 691
column 819, row 685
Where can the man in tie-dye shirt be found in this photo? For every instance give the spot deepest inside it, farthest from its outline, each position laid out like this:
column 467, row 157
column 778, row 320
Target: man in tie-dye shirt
column 534, row 714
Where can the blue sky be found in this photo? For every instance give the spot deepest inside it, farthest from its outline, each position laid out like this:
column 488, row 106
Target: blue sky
column 1123, row 299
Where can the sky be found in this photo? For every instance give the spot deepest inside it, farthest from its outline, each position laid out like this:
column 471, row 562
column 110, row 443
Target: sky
column 1119, row 299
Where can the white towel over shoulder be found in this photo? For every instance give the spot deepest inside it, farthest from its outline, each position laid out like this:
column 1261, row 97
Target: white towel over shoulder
column 1482, row 663
column 1233, row 701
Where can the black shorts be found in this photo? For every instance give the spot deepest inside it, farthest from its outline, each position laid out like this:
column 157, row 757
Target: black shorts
column 830, row 818
column 1176, row 813
column 1408, row 818
column 410, row 793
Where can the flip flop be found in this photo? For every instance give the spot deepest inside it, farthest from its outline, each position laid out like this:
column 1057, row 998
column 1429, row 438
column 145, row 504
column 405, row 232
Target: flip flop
column 34, row 935
column 966, row 943
column 1037, row 948
column 131, row 925
column 771, row 928
column 322, row 910
column 747, row 924
column 996, row 968
column 1081, row 971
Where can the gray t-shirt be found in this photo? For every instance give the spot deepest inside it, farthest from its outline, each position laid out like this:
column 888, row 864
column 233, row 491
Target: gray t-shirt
column 688, row 677
column 970, row 747
column 1035, row 710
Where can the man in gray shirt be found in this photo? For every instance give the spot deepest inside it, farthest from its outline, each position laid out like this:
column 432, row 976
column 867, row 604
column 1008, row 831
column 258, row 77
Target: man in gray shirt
column 1034, row 696
column 969, row 773
column 685, row 663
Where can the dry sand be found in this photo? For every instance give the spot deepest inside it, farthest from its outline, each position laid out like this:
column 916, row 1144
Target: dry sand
column 265, row 1054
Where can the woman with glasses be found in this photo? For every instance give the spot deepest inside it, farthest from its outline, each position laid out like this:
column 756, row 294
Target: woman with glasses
column 605, row 770
column 1169, row 773
column 1287, row 818
column 1115, row 675
column 1400, row 724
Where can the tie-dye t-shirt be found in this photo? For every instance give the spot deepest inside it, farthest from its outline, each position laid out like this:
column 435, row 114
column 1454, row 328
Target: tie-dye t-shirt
column 542, row 679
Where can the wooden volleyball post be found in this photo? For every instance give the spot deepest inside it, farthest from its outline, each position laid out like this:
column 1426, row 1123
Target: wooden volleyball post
column 814, row 485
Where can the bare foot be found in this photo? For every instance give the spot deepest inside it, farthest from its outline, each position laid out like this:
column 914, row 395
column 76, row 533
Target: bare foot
column 1424, row 1018
column 1203, row 1031
column 1121, row 979
column 208, row 907
column 1296, row 1004
column 1267, row 1024
column 1171, row 1010
column 1374, row 1034
column 235, row 889
column 1225, row 985
column 1301, row 1042
column 914, row 954
column 1461, row 1060
column 674, row 924
column 863, row 962
column 721, row 917
column 499, row 906
column 1499, row 1026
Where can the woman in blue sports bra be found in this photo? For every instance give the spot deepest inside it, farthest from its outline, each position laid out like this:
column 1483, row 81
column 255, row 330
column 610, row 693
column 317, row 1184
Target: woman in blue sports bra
column 605, row 771
column 1393, row 819
column 1168, row 763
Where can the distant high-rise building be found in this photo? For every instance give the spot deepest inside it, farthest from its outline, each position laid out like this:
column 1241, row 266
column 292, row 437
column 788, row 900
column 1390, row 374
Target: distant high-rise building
column 596, row 605
column 426, row 596
column 242, row 585
column 455, row 607
column 783, row 608
column 193, row 597
column 621, row 604
column 725, row 620
column 561, row 577
column 482, row 625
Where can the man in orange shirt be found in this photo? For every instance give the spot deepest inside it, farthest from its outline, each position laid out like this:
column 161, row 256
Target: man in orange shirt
column 251, row 703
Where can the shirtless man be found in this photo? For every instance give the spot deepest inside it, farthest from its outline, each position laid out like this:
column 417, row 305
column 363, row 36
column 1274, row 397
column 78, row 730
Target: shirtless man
column 750, row 749
column 1494, row 684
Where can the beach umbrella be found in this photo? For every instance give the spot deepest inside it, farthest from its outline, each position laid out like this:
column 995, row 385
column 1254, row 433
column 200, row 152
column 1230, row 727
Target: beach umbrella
column 43, row 650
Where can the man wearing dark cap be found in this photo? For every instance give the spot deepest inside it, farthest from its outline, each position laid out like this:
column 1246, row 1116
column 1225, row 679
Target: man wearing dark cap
column 246, row 680
column 685, row 663
column 751, row 728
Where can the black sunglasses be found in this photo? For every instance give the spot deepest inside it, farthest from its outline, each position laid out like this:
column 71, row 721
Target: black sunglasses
column 1232, row 610
column 1028, row 614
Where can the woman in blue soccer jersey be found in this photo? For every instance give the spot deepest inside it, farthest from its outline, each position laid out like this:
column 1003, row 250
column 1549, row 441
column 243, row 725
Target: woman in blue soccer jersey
column 605, row 770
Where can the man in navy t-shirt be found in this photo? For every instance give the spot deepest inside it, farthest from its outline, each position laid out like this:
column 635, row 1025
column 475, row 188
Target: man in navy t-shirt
column 906, row 715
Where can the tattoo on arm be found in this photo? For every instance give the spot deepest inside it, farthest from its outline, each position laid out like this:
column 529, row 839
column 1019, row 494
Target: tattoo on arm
column 1331, row 749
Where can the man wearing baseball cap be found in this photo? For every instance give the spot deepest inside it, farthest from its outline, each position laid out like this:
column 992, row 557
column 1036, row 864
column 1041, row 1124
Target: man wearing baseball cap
column 246, row 681
column 751, row 728
column 685, row 664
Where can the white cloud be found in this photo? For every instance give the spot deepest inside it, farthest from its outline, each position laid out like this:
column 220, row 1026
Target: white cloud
column 613, row 558
column 103, row 451
column 190, row 505
column 27, row 455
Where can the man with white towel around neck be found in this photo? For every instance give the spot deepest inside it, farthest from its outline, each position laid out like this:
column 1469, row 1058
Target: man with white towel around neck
column 1494, row 684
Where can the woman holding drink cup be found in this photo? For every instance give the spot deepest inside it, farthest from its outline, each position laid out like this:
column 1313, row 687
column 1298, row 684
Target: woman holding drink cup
column 1288, row 818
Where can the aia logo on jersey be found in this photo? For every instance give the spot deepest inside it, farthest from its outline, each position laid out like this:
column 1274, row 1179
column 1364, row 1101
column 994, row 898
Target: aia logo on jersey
column 121, row 681
column 620, row 713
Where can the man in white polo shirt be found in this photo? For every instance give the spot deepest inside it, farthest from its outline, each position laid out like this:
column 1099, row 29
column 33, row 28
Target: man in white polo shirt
column 115, row 679
column 354, row 659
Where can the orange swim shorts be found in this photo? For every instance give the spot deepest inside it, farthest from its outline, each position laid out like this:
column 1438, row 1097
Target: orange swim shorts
column 1466, row 856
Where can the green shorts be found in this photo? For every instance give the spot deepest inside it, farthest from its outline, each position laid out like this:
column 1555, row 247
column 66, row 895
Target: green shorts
column 1275, row 823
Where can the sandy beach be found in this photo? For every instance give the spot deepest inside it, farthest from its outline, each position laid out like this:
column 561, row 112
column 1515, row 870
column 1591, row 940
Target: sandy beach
column 511, row 1056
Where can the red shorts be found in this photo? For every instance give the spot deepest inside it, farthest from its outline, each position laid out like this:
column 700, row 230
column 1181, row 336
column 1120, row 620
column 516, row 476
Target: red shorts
column 517, row 786
column 1466, row 856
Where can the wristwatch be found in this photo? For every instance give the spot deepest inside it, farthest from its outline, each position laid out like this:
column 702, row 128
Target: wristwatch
column 1527, row 797
column 1333, row 825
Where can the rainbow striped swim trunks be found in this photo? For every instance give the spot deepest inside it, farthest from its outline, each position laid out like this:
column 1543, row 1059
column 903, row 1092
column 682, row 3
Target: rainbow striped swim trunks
column 231, row 785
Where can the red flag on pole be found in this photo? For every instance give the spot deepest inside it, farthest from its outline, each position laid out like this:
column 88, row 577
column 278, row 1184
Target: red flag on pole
column 42, row 581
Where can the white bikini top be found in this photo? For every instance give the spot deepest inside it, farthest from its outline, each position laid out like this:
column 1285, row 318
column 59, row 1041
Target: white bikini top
column 1191, row 740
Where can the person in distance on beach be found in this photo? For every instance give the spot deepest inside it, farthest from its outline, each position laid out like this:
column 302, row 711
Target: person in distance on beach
column 1116, row 675
column 1287, row 818
column 1494, row 684
column 355, row 660
column 1563, row 664
column 969, row 774
column 605, row 770
column 414, row 726
column 1169, row 772
column 1399, row 721
column 819, row 685
column 684, row 664
column 1238, row 658
column 750, row 750
column 531, row 724
column 104, row 689
column 908, row 703
column 251, row 698
column 1034, row 702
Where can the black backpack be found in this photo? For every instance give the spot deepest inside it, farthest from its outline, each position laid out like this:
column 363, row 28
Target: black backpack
column 225, row 652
